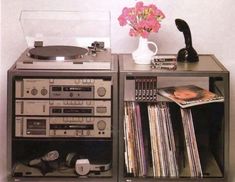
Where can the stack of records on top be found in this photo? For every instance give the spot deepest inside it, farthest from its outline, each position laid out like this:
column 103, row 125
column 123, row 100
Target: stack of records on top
column 162, row 141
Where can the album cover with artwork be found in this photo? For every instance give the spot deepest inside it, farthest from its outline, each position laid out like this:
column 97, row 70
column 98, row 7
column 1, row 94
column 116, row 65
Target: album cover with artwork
column 189, row 95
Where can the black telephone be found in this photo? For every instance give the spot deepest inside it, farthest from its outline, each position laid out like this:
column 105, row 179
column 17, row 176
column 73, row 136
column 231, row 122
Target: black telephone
column 187, row 54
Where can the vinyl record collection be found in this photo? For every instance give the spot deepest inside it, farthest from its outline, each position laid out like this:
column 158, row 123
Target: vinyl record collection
column 191, row 143
column 134, row 146
column 158, row 157
column 162, row 141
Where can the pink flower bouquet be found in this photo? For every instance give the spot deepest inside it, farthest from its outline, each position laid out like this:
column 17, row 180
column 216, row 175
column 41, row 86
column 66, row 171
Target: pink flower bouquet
column 142, row 19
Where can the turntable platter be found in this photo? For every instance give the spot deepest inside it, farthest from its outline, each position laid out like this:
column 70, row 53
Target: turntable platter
column 57, row 52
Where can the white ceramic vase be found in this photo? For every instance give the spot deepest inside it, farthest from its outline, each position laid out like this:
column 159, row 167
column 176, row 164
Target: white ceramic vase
column 143, row 55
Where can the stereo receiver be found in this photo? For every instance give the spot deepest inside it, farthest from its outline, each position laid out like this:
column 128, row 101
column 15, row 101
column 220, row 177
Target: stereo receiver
column 63, row 88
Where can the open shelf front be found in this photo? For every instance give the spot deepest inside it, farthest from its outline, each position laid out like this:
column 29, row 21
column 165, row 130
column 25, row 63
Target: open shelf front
column 206, row 130
column 28, row 158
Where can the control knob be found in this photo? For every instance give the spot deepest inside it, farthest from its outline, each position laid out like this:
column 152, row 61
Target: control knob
column 34, row 91
column 101, row 125
column 101, row 91
column 44, row 91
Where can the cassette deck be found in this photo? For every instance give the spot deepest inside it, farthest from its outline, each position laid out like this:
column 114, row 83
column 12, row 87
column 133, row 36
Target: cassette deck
column 99, row 127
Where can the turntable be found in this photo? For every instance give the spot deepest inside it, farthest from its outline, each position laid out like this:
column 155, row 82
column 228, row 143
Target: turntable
column 65, row 40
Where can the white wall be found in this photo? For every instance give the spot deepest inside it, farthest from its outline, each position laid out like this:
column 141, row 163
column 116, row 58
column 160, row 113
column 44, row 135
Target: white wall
column 212, row 24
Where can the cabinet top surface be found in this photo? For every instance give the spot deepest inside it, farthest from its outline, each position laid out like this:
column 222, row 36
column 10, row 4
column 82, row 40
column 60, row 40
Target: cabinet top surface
column 207, row 63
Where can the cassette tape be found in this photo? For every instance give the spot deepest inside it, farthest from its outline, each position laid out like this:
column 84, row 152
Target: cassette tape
column 63, row 107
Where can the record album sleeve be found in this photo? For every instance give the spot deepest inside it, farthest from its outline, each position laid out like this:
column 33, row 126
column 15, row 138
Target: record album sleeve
column 189, row 95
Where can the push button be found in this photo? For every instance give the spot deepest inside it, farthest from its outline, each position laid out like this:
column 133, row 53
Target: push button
column 101, row 109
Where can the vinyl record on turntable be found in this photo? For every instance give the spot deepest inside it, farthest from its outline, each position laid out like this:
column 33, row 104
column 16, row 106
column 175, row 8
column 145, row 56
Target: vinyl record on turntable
column 57, row 52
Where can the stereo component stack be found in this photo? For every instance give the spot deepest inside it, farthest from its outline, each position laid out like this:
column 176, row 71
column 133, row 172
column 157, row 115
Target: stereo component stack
column 62, row 99
column 69, row 107
column 63, row 107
